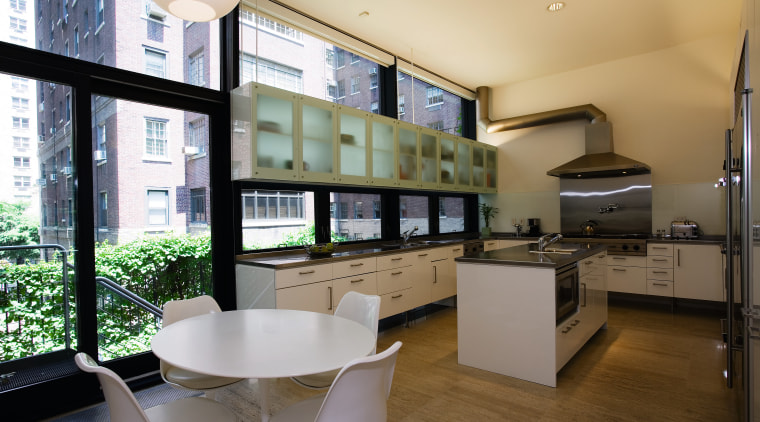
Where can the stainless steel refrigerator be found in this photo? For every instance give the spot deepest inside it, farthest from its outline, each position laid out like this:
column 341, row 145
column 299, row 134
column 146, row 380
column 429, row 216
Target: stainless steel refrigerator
column 742, row 181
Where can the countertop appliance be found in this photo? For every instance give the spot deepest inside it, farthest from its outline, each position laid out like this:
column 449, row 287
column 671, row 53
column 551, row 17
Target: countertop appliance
column 684, row 229
column 534, row 227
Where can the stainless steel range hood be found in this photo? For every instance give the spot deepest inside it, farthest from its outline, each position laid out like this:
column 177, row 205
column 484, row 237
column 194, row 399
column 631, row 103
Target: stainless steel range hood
column 599, row 159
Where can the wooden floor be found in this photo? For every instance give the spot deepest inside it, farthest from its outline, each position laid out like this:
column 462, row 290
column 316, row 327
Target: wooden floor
column 651, row 364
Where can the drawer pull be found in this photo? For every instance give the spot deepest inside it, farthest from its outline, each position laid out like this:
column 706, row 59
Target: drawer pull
column 618, row 257
column 422, row 254
column 659, row 260
column 397, row 273
column 576, row 322
column 457, row 249
column 397, row 259
column 396, row 297
column 619, row 269
column 307, row 272
column 357, row 281
column 660, row 284
column 659, row 247
column 589, row 262
column 357, row 265
column 567, row 330
column 659, row 272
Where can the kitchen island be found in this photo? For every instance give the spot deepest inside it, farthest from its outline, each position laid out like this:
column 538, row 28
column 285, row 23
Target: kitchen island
column 507, row 308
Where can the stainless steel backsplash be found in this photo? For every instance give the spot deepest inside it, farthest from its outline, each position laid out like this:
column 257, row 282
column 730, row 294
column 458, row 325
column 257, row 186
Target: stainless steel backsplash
column 618, row 205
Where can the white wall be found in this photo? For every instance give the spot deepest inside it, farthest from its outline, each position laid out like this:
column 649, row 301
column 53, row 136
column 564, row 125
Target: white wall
column 668, row 109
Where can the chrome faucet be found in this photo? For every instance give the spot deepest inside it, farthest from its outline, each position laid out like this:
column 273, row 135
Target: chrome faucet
column 407, row 234
column 543, row 242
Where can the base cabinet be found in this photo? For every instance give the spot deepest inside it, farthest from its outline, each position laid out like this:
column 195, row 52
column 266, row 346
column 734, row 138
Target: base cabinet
column 698, row 272
column 627, row 274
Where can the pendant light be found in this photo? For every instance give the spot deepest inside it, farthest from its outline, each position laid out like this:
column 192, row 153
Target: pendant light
column 197, row 10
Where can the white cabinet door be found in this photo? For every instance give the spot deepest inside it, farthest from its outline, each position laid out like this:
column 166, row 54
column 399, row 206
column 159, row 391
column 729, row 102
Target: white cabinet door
column 314, row 297
column 698, row 272
column 627, row 274
column 489, row 245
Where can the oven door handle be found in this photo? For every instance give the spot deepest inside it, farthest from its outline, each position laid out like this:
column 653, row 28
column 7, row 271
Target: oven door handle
column 585, row 300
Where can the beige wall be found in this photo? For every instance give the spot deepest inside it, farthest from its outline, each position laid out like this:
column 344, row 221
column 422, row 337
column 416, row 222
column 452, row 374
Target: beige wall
column 668, row 109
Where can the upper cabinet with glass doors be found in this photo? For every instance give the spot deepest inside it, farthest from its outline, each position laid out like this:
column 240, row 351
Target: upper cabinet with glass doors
column 280, row 135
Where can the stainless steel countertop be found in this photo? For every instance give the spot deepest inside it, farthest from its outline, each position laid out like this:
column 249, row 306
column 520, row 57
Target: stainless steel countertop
column 522, row 256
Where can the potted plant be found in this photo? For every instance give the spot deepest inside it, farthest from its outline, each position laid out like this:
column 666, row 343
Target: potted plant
column 487, row 212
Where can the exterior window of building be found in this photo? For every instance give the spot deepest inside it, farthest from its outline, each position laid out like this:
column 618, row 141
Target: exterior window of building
column 86, row 20
column 158, row 207
column 155, row 138
column 349, row 219
column 197, row 134
column 272, row 205
column 330, row 58
column 340, row 58
column 373, row 79
column 103, row 209
column 374, row 107
column 354, row 58
column 18, row 5
column 333, row 209
column 21, row 142
column 18, row 25
column 21, row 162
column 343, row 210
column 99, row 13
column 450, row 214
column 437, row 125
column 68, row 108
column 413, row 210
column 434, row 96
column 341, row 86
column 19, row 84
column 376, row 214
column 66, row 48
column 270, row 73
column 401, row 105
column 155, row 63
column 76, row 42
column 101, row 137
column 20, row 103
column 198, row 205
column 332, row 90
column 358, row 212
column 70, row 218
column 195, row 69
column 355, row 84
column 22, row 181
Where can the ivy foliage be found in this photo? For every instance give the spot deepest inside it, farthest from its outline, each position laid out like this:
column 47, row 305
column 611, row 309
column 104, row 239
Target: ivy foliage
column 18, row 228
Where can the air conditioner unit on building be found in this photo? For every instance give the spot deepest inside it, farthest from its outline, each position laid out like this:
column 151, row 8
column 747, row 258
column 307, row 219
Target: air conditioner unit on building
column 99, row 155
column 190, row 150
column 66, row 170
column 41, row 107
column 154, row 12
column 372, row 70
column 53, row 177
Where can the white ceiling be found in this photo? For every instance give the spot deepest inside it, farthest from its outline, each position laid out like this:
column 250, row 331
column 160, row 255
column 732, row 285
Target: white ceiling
column 496, row 42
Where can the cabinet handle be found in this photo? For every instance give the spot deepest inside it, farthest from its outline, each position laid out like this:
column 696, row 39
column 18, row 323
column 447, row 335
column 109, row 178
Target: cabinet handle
column 397, row 259
column 422, row 254
column 618, row 258
column 307, row 272
column 659, row 260
column 660, row 284
column 329, row 289
column 679, row 256
column 456, row 250
column 576, row 322
column 396, row 297
column 357, row 265
column 567, row 330
column 397, row 273
column 619, row 269
column 435, row 274
column 602, row 256
column 659, row 272
column 659, row 247
column 357, row 281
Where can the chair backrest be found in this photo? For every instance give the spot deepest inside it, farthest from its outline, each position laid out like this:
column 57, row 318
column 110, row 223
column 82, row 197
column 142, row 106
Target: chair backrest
column 361, row 389
column 177, row 310
column 121, row 402
column 364, row 309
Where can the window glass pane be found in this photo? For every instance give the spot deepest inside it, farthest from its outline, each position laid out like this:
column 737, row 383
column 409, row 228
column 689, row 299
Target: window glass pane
column 274, row 219
column 427, row 105
column 150, row 200
column 413, row 210
column 149, row 40
column 358, row 216
column 450, row 214
column 288, row 58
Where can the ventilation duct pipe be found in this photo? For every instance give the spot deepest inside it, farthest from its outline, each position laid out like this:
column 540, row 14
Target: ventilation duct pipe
column 588, row 112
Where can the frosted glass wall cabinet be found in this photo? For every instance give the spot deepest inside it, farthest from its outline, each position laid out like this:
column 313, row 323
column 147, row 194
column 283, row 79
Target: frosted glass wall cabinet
column 279, row 135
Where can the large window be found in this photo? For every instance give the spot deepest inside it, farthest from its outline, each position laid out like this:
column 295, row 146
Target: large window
column 198, row 205
column 158, row 207
column 350, row 216
column 413, row 210
column 433, row 106
column 277, row 54
column 155, row 63
column 155, row 138
column 195, row 69
column 277, row 218
column 451, row 214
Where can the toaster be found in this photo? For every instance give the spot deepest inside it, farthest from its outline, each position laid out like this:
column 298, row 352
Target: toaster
column 684, row 229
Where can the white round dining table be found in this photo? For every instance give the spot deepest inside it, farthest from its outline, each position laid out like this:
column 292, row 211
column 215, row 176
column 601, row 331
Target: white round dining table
column 262, row 344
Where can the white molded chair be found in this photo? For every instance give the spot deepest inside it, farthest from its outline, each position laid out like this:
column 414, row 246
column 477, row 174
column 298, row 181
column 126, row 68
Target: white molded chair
column 123, row 405
column 364, row 309
column 360, row 393
column 176, row 310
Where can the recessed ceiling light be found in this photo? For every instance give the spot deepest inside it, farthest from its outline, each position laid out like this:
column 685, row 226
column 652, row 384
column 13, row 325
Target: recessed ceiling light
column 555, row 7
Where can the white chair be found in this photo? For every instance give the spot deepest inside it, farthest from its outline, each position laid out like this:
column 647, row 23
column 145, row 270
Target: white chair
column 123, row 405
column 364, row 309
column 176, row 310
column 360, row 393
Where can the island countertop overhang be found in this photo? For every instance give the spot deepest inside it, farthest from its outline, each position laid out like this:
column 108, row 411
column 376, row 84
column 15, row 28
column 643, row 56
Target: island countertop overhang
column 529, row 256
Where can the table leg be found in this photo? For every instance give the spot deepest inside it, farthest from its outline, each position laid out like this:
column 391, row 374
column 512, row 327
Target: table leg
column 264, row 398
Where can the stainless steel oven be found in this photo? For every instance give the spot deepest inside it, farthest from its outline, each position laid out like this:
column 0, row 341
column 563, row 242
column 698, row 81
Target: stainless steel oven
column 566, row 294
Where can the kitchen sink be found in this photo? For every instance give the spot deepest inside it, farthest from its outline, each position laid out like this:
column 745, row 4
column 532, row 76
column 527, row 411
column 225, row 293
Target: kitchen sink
column 561, row 251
